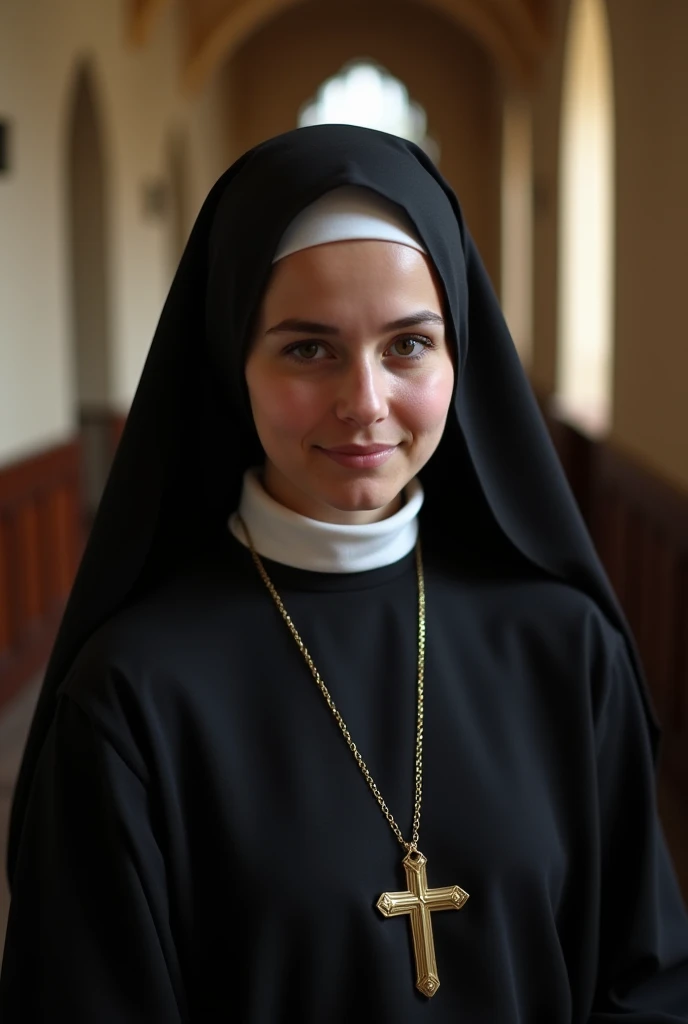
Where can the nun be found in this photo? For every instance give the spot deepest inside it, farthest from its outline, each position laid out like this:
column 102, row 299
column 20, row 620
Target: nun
column 343, row 721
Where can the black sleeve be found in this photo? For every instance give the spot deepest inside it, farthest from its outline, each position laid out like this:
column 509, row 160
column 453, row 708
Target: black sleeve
column 643, row 954
column 88, row 937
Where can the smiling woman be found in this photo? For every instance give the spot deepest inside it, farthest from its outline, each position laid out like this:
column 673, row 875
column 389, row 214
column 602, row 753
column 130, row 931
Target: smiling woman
column 348, row 404
column 263, row 679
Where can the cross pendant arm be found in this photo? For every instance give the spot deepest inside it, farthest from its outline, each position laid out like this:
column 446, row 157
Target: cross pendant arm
column 392, row 904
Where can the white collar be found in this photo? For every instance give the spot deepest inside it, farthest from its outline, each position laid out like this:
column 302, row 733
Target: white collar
column 287, row 537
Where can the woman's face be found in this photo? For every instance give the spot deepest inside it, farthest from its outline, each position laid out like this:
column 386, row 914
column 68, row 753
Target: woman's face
column 350, row 378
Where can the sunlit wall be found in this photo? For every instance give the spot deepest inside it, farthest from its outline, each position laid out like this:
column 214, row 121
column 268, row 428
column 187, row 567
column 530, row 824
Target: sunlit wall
column 586, row 237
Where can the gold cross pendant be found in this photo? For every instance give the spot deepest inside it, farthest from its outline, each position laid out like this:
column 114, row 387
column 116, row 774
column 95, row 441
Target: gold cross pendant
column 419, row 901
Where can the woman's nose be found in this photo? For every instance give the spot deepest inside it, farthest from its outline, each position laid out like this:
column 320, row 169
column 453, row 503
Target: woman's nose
column 362, row 396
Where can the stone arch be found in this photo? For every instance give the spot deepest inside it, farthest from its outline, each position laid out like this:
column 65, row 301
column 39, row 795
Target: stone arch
column 514, row 32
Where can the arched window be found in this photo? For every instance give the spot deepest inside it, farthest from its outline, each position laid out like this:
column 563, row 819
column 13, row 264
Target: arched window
column 517, row 223
column 365, row 94
column 586, row 233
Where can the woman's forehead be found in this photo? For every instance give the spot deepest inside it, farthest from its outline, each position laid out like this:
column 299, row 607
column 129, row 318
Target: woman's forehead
column 341, row 273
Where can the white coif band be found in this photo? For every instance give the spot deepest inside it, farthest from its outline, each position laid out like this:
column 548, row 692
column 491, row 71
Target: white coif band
column 287, row 537
column 344, row 214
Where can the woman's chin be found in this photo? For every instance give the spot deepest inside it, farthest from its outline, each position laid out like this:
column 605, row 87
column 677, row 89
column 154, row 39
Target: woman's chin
column 335, row 497
column 364, row 503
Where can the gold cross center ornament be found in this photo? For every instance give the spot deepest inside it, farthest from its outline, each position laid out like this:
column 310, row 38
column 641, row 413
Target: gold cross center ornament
column 418, row 901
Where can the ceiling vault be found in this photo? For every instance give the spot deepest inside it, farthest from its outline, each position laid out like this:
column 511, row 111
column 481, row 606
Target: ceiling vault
column 141, row 18
column 514, row 32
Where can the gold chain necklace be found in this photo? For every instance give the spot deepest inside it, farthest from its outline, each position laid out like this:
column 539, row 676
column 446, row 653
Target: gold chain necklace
column 417, row 901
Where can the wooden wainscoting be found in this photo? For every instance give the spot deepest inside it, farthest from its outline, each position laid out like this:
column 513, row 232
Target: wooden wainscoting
column 40, row 545
column 639, row 524
column 47, row 504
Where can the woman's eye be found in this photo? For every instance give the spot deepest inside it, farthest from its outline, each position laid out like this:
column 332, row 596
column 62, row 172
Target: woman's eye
column 408, row 348
column 307, row 351
column 412, row 348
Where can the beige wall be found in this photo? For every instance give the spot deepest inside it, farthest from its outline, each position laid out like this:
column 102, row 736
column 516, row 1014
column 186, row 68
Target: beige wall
column 283, row 64
column 88, row 239
column 140, row 101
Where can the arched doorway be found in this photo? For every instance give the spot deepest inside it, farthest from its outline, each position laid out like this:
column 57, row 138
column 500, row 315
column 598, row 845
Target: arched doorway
column 586, row 234
column 89, row 284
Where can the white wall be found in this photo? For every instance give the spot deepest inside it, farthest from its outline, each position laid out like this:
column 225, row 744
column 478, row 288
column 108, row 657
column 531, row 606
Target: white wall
column 41, row 43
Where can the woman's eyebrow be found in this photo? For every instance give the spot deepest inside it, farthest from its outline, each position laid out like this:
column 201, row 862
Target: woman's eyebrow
column 296, row 326
column 302, row 327
column 423, row 316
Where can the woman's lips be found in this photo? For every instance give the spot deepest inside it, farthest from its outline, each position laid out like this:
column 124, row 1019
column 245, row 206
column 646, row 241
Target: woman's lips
column 356, row 456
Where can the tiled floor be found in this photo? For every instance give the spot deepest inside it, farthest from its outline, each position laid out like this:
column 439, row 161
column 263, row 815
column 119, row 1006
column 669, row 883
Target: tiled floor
column 14, row 723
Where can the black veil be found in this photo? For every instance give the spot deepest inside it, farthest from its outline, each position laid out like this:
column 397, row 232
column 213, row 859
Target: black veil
column 189, row 435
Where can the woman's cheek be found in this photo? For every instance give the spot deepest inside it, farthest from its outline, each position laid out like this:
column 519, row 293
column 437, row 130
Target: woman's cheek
column 295, row 409
column 424, row 403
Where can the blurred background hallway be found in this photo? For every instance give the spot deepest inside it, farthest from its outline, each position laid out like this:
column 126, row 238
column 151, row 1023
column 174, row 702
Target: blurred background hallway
column 561, row 124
